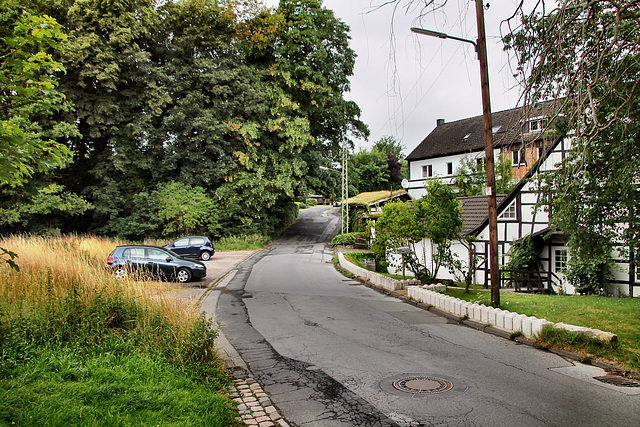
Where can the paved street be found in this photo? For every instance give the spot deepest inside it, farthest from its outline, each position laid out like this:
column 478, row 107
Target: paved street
column 331, row 352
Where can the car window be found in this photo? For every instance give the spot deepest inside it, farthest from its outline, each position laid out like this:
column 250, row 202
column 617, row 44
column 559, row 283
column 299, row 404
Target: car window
column 196, row 241
column 133, row 253
column 181, row 242
column 157, row 254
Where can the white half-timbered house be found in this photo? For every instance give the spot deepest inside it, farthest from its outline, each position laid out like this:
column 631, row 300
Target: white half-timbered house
column 520, row 215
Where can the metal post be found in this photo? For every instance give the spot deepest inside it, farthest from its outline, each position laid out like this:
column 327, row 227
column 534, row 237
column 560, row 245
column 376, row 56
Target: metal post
column 488, row 147
column 344, row 205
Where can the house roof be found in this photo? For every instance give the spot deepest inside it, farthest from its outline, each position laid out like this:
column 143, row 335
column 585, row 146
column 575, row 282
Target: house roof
column 475, row 210
column 467, row 135
column 373, row 197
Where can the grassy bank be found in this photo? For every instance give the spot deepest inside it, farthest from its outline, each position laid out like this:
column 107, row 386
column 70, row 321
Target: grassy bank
column 242, row 243
column 78, row 347
column 617, row 315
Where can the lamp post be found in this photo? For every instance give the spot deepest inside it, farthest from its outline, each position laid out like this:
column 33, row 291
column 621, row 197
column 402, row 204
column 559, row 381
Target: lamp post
column 481, row 50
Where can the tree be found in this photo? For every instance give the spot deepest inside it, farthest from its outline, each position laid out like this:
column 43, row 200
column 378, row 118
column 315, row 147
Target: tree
column 471, row 178
column 390, row 146
column 119, row 93
column 368, row 171
column 313, row 64
column 397, row 167
column 40, row 210
column 588, row 55
column 29, row 98
column 435, row 217
column 185, row 209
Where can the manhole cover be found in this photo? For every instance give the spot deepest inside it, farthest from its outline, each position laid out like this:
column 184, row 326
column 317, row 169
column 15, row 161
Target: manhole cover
column 618, row 381
column 422, row 385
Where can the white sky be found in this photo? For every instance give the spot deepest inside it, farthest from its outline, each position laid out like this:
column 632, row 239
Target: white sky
column 403, row 82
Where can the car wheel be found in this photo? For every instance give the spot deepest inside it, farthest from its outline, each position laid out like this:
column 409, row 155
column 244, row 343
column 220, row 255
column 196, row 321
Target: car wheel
column 120, row 273
column 183, row 275
column 205, row 255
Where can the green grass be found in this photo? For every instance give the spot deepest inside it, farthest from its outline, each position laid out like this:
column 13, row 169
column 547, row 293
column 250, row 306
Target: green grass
column 618, row 315
column 242, row 243
column 59, row 387
column 81, row 348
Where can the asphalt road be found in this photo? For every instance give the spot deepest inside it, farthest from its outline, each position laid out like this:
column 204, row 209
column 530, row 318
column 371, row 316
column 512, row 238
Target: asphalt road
column 332, row 352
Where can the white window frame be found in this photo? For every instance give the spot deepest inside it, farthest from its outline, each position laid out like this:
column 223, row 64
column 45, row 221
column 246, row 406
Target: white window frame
column 560, row 258
column 449, row 168
column 519, row 155
column 427, row 171
column 510, row 213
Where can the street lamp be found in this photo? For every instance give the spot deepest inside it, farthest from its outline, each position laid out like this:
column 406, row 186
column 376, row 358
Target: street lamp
column 481, row 50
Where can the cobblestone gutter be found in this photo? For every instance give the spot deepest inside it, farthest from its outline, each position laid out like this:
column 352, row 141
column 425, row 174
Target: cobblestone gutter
column 255, row 406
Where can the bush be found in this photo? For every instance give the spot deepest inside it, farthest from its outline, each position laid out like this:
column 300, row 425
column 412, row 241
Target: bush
column 311, row 202
column 348, row 239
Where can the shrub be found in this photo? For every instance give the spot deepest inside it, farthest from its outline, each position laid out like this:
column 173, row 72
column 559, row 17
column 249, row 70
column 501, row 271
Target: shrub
column 347, row 239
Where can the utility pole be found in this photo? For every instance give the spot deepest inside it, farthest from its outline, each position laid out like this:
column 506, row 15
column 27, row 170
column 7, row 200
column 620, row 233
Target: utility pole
column 488, row 152
column 490, row 190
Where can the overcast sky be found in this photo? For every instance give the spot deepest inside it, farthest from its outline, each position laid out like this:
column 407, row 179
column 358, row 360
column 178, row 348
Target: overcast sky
column 403, row 82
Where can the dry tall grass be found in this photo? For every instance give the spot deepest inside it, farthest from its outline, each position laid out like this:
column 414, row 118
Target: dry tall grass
column 53, row 269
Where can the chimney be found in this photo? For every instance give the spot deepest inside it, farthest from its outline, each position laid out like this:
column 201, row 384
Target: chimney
column 439, row 122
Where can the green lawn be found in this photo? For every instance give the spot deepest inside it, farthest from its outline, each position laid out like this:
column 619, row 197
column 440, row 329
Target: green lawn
column 618, row 315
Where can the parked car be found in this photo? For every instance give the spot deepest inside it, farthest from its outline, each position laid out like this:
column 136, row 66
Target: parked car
column 193, row 247
column 155, row 262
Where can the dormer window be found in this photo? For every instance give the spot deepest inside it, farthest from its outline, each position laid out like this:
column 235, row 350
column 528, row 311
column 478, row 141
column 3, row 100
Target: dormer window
column 535, row 124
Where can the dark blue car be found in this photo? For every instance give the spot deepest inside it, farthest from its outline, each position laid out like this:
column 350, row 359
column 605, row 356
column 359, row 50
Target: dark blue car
column 193, row 247
column 153, row 261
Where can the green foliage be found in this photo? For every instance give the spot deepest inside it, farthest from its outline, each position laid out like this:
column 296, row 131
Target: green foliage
column 347, row 239
column 390, row 146
column 471, row 177
column 593, row 196
column 39, row 210
column 436, row 217
column 227, row 97
column 29, row 98
column 75, row 362
column 368, row 171
column 522, row 254
column 186, row 210
column 7, row 257
column 396, row 165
